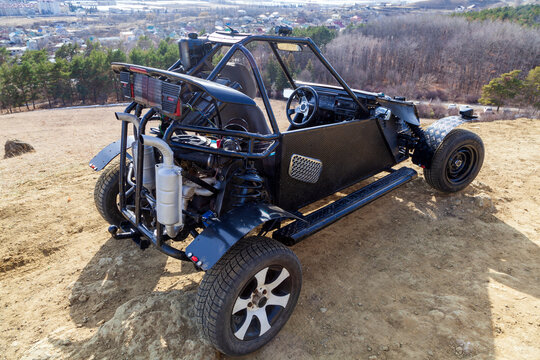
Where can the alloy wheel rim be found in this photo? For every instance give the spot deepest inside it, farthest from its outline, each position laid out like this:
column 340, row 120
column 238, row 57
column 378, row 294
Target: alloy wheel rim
column 261, row 302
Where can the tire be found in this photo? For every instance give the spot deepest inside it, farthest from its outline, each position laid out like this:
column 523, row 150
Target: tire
column 258, row 278
column 456, row 162
column 106, row 194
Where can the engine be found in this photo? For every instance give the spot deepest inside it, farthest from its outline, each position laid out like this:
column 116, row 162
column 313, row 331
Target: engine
column 184, row 188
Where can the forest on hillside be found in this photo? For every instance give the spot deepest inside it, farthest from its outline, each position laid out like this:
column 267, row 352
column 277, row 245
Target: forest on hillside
column 435, row 57
column 528, row 15
column 78, row 75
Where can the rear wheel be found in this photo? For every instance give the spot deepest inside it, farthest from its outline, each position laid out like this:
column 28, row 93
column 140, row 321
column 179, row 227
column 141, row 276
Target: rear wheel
column 106, row 194
column 456, row 162
column 248, row 295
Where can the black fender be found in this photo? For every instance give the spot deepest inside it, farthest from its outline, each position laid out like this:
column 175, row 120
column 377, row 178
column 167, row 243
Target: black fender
column 436, row 132
column 433, row 136
column 108, row 153
column 224, row 232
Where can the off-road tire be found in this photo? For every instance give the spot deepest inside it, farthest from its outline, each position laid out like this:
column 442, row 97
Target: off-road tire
column 106, row 194
column 459, row 145
column 223, row 285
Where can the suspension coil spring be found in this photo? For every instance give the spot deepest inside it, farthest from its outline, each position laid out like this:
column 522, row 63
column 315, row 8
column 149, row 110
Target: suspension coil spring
column 247, row 186
column 423, row 140
column 417, row 131
column 423, row 152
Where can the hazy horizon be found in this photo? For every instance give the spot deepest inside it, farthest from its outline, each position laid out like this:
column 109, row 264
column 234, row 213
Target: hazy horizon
column 138, row 4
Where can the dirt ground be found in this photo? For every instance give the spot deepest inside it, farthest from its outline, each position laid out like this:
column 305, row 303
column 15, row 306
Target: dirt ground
column 414, row 275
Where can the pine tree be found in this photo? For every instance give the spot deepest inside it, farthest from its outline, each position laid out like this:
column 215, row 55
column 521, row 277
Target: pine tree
column 4, row 55
column 532, row 87
column 501, row 90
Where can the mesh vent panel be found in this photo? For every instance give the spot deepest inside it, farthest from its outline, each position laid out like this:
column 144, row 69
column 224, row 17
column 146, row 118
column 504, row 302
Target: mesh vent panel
column 305, row 169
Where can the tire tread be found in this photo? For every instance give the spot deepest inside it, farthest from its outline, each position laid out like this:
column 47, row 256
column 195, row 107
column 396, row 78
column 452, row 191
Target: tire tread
column 104, row 185
column 218, row 282
column 435, row 174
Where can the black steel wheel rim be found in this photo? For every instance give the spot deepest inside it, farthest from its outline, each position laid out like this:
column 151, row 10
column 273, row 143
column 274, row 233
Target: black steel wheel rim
column 461, row 164
column 261, row 302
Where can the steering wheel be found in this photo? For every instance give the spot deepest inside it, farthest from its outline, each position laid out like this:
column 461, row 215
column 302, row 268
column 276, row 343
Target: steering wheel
column 306, row 105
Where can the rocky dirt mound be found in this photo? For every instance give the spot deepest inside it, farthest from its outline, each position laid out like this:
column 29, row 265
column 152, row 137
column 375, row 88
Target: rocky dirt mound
column 14, row 148
column 155, row 326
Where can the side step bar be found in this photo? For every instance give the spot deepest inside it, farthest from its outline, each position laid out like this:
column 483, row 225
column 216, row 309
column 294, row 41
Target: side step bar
column 317, row 220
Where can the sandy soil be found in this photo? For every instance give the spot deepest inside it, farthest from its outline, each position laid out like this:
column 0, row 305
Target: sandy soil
column 414, row 275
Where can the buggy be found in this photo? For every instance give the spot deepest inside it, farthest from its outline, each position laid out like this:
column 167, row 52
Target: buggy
column 219, row 168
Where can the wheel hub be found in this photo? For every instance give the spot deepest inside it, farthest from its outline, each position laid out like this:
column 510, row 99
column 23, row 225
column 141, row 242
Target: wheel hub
column 460, row 164
column 258, row 298
column 262, row 302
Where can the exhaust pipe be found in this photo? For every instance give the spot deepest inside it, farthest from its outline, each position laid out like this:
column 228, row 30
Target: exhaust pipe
column 168, row 187
column 122, row 116
column 148, row 178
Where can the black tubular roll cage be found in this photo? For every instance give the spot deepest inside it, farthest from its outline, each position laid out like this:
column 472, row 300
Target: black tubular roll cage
column 240, row 41
column 237, row 42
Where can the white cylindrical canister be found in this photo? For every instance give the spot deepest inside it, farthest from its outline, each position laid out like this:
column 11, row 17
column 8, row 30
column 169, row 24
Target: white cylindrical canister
column 149, row 164
column 169, row 194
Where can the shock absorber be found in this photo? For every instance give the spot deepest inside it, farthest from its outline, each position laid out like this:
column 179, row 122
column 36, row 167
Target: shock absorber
column 247, row 186
column 423, row 152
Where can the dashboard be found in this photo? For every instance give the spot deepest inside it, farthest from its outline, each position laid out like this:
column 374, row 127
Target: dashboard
column 336, row 103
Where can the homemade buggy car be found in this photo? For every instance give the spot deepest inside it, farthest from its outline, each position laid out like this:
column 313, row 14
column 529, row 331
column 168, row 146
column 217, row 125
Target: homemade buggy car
column 219, row 168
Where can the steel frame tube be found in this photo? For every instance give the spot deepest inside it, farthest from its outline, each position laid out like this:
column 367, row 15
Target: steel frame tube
column 123, row 150
column 164, row 248
column 140, row 163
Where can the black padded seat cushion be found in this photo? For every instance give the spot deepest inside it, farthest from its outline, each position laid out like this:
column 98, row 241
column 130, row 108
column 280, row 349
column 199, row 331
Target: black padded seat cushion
column 253, row 116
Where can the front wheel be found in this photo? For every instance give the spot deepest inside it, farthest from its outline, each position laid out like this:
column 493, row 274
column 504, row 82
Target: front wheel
column 456, row 162
column 248, row 295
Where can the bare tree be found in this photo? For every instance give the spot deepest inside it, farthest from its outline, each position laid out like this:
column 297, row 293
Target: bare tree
column 433, row 56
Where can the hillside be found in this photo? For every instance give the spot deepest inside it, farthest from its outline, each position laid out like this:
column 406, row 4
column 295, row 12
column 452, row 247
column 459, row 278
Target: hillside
column 414, row 275
column 528, row 15
column 433, row 56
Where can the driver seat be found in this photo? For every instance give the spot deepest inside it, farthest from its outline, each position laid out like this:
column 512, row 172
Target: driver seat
column 245, row 118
